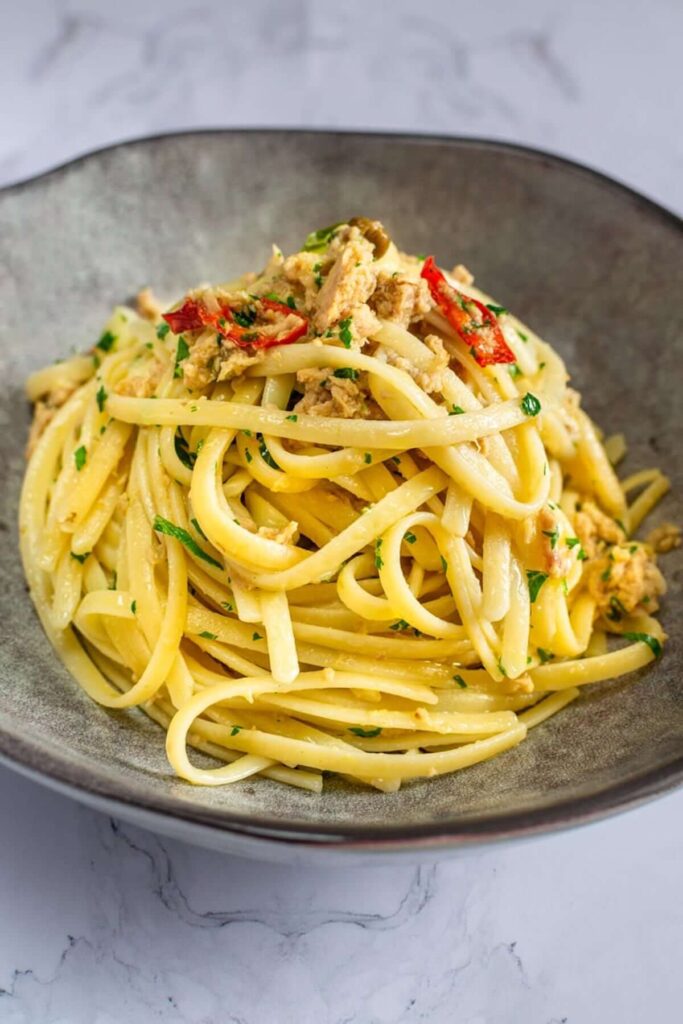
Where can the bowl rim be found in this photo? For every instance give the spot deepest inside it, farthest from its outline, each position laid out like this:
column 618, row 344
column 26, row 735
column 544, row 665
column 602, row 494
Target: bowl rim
column 57, row 771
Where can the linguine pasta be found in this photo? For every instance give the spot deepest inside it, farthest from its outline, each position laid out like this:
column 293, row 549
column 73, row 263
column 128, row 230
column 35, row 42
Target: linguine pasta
column 341, row 516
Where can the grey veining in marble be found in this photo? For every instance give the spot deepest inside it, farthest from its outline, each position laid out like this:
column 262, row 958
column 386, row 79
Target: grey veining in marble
column 105, row 924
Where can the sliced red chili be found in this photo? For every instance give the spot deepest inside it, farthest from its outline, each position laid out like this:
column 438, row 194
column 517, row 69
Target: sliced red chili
column 242, row 323
column 476, row 324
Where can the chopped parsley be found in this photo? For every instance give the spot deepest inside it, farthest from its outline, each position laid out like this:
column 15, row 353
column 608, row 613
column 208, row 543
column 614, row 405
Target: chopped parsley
column 379, row 564
column 245, row 317
column 82, row 558
column 553, row 536
column 409, row 537
column 605, row 575
column 106, row 341
column 293, row 418
column 227, row 605
column 522, row 335
column 400, row 625
column 645, row 638
column 265, row 454
column 101, row 398
column 367, row 458
column 208, row 636
column 498, row 310
column 455, row 410
column 616, row 609
column 114, row 581
column 514, row 371
column 198, row 528
column 535, row 580
column 235, row 729
column 444, row 564
column 80, row 457
column 501, row 668
column 162, row 525
column 345, row 335
column 256, row 636
column 530, row 405
column 182, row 352
column 318, row 241
column 182, row 450
column 544, row 655
column 365, row 733
column 317, row 276
column 162, row 331
column 460, row 681
column 133, row 606
column 346, row 373
column 248, row 456
column 572, row 542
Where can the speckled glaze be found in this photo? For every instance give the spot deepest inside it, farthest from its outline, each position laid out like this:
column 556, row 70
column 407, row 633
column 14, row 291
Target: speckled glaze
column 591, row 265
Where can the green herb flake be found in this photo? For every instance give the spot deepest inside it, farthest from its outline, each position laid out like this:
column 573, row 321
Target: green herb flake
column 522, row 335
column 101, row 398
column 265, row 454
column 317, row 276
column 80, row 457
column 208, row 636
column 621, row 526
column 616, row 609
column 346, row 373
column 182, row 352
column 498, row 310
column 182, row 450
column 227, row 605
column 162, row 525
column 544, row 655
column 605, row 575
column 572, row 542
column 365, row 734
column 541, row 366
column 379, row 564
column 318, row 241
column 553, row 536
column 244, row 317
column 235, row 729
column 535, row 580
column 645, row 638
column 293, row 418
column 409, row 537
column 501, row 668
column 162, row 331
column 633, row 548
column 106, row 341
column 400, row 625
column 248, row 456
column 345, row 335
column 256, row 636
column 367, row 458
column 530, row 405
column 455, row 410
column 444, row 564
column 514, row 371
column 198, row 528
column 82, row 558
column 460, row 681
column 133, row 607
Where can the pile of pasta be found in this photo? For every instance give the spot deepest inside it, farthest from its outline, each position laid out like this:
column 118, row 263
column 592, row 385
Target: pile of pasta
column 292, row 593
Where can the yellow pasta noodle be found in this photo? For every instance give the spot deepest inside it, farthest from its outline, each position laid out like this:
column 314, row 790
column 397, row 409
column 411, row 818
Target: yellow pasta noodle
column 343, row 515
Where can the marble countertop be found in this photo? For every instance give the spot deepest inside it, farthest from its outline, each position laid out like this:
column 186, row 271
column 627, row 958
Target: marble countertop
column 103, row 923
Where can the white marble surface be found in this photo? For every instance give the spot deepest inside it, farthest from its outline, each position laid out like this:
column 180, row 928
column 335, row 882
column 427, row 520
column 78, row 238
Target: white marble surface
column 101, row 923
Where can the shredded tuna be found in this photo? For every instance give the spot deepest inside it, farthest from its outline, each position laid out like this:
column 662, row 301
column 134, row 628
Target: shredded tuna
column 349, row 283
column 327, row 395
column 211, row 359
column 596, row 530
column 283, row 535
column 43, row 412
column 142, row 385
column 624, row 579
column 148, row 306
column 399, row 299
column 664, row 538
column 429, row 380
column 462, row 274
column 557, row 558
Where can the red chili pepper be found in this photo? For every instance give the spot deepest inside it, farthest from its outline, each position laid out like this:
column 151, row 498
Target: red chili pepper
column 194, row 315
column 482, row 333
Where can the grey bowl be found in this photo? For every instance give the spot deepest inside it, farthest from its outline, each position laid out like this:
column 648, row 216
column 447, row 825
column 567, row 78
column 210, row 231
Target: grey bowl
column 593, row 266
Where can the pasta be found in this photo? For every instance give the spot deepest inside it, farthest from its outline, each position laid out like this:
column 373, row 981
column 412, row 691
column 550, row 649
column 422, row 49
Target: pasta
column 341, row 516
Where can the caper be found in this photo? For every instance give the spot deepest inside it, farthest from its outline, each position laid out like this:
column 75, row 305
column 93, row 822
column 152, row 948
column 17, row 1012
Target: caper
column 374, row 232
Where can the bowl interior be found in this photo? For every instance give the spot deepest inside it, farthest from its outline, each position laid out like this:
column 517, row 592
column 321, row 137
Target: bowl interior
column 594, row 268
